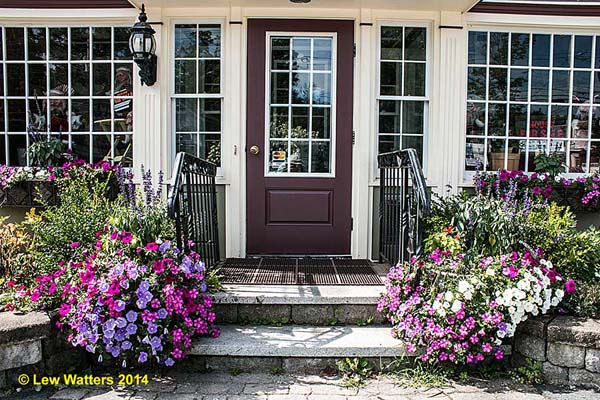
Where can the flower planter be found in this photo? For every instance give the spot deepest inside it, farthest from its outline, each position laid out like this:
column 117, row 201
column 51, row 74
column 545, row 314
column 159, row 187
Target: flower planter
column 34, row 193
column 38, row 193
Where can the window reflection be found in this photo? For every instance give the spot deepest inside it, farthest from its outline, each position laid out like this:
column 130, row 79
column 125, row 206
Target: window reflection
column 67, row 95
column 550, row 105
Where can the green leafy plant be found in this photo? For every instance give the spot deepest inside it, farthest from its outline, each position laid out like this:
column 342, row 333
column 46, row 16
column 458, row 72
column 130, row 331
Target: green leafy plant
column 447, row 239
column 46, row 152
column 355, row 371
column 14, row 241
column 422, row 376
column 485, row 226
column 528, row 374
column 585, row 301
column 82, row 212
column 552, row 164
column 365, row 322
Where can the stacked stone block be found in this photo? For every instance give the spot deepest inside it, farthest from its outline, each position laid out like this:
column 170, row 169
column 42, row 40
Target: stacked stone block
column 568, row 348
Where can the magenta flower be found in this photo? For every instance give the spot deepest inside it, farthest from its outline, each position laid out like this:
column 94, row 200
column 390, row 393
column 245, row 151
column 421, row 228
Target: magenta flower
column 74, row 245
column 152, row 246
column 570, row 286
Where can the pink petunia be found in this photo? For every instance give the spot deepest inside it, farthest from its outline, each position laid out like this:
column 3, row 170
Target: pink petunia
column 74, row 245
column 570, row 286
column 152, row 246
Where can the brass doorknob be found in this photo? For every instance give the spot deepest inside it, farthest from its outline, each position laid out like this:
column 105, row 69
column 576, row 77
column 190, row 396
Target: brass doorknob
column 254, row 150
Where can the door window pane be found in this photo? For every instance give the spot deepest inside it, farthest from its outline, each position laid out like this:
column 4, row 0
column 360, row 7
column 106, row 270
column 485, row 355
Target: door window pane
column 300, row 125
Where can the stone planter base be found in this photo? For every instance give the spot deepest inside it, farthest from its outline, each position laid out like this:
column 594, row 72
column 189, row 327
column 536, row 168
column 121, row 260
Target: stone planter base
column 567, row 347
column 30, row 344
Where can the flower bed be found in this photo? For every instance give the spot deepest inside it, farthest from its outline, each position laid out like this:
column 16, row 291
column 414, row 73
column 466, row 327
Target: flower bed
column 123, row 293
column 451, row 313
column 580, row 193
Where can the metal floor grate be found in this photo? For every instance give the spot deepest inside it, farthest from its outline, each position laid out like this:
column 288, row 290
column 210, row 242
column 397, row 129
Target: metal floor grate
column 299, row 271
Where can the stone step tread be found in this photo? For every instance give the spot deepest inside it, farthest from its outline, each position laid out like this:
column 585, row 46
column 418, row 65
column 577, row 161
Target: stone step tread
column 298, row 295
column 300, row 341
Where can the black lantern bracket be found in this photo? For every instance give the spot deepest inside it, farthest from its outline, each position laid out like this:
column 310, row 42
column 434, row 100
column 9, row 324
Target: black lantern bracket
column 143, row 46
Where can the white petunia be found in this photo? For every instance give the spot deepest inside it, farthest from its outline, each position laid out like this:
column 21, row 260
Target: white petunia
column 463, row 286
column 456, row 306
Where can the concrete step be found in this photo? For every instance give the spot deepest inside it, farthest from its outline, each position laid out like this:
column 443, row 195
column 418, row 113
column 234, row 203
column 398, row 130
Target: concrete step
column 300, row 305
column 295, row 348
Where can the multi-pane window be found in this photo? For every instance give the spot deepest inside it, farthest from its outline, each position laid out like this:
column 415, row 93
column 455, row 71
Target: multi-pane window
column 300, row 107
column 197, row 94
column 533, row 93
column 403, row 96
column 72, row 83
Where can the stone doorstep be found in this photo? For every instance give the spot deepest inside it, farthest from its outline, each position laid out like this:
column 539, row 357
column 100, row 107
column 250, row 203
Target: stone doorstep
column 21, row 327
column 298, row 295
column 300, row 341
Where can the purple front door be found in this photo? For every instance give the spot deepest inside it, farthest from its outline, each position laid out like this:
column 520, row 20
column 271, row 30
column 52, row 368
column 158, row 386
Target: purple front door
column 299, row 136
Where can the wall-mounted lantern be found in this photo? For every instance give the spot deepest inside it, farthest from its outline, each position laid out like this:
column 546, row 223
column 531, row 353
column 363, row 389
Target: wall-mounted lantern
column 143, row 47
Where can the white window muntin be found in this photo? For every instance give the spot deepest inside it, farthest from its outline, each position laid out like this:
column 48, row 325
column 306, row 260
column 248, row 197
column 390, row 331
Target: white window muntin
column 425, row 99
column 572, row 33
column 333, row 100
column 198, row 95
column 91, row 133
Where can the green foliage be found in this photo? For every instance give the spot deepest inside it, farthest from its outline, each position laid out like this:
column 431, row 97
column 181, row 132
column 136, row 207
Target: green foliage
column 365, row 322
column 447, row 239
column 585, row 302
column 148, row 222
column 529, row 374
column 355, row 371
column 46, row 152
column 547, row 226
column 421, row 376
column 14, row 241
column 484, row 226
column 82, row 212
column 552, row 164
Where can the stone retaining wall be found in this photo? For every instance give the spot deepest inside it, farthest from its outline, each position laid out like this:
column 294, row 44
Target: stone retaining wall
column 29, row 343
column 567, row 347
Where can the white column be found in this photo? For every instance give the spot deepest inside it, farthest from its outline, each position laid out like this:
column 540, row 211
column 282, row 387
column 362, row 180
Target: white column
column 362, row 150
column 233, row 139
column 149, row 147
column 450, row 119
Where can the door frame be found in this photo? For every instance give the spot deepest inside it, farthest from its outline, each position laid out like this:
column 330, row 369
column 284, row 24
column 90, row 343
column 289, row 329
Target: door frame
column 339, row 181
column 361, row 208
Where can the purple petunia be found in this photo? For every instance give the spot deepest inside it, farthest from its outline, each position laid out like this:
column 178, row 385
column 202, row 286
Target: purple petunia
column 143, row 357
column 131, row 329
column 131, row 316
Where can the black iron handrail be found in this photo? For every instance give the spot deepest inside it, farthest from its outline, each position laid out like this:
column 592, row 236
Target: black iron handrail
column 404, row 203
column 192, row 203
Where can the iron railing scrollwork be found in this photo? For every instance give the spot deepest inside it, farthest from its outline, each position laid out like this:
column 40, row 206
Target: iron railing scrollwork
column 192, row 203
column 404, row 203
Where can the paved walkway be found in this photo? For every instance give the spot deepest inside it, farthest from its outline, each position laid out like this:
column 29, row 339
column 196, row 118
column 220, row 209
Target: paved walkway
column 223, row 386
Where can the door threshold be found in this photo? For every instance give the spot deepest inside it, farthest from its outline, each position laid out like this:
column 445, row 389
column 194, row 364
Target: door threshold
column 302, row 256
